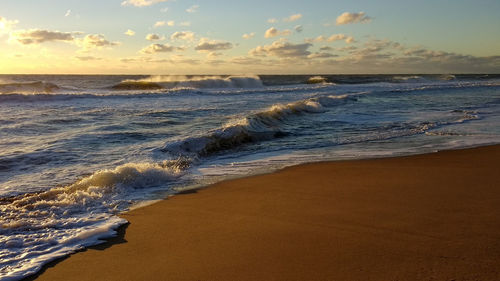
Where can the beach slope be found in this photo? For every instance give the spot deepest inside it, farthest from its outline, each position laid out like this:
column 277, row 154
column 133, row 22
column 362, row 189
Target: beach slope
column 424, row 217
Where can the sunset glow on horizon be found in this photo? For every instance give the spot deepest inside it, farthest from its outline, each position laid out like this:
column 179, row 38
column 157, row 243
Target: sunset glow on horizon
column 240, row 37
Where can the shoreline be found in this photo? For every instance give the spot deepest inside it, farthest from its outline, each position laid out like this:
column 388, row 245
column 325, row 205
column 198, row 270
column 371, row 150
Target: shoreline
column 349, row 223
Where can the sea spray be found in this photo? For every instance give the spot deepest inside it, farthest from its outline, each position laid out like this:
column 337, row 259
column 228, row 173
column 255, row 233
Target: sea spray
column 196, row 82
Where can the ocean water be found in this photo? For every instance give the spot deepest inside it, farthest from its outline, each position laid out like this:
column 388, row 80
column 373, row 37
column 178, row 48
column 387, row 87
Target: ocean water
column 75, row 151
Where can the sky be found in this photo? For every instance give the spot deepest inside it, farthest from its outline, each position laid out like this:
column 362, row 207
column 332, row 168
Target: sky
column 249, row 37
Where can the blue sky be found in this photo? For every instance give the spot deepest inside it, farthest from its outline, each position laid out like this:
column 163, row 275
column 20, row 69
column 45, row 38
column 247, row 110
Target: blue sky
column 55, row 36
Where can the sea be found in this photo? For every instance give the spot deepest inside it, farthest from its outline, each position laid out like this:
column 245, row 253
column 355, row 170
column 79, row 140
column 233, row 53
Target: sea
column 78, row 150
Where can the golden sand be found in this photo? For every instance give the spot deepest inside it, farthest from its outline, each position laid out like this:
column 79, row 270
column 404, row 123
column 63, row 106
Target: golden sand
column 425, row 217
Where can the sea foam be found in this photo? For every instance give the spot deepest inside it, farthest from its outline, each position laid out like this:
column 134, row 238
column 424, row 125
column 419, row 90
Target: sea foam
column 36, row 228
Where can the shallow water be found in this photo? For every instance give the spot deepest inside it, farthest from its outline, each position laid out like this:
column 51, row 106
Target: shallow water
column 77, row 150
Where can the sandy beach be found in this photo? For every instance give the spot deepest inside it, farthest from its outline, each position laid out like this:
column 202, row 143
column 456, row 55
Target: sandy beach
column 424, row 217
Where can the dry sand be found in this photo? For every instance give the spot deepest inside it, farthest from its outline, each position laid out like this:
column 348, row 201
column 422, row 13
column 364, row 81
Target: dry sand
column 426, row 217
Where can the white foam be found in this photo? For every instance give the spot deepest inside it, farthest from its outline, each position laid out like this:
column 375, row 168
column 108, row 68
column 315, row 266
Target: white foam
column 319, row 80
column 37, row 228
column 18, row 259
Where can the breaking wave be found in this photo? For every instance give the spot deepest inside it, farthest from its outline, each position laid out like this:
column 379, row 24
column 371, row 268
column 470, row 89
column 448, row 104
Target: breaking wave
column 317, row 80
column 260, row 126
column 423, row 78
column 39, row 227
column 410, row 78
column 447, row 77
column 28, row 87
column 197, row 82
column 136, row 85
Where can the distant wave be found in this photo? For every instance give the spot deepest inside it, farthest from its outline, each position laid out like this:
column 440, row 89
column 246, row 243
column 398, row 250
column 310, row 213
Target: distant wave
column 142, row 89
column 316, row 80
column 423, row 78
column 369, row 79
column 52, row 84
column 137, row 85
column 28, row 87
column 447, row 77
column 264, row 125
column 79, row 95
column 196, row 82
column 410, row 78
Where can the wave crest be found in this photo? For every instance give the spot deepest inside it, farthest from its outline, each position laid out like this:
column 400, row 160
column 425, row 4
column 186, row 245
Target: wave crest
column 197, row 82
column 136, row 85
column 102, row 192
column 260, row 126
column 28, row 87
column 61, row 220
column 317, row 80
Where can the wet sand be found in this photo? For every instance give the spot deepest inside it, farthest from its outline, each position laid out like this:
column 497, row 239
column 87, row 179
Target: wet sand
column 425, row 217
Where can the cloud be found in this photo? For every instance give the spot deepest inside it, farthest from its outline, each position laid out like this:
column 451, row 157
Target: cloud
column 273, row 20
column 129, row 32
column 349, row 18
column 248, row 36
column 164, row 10
column 298, row 28
column 336, row 37
column 37, row 36
column 377, row 45
column 141, row 3
column 88, row 58
column 160, row 23
column 95, row 41
column 321, row 55
column 152, row 37
column 332, row 38
column 283, row 49
column 183, row 35
column 391, row 57
column 185, row 23
column 293, row 18
column 273, row 32
column 245, row 60
column 163, row 23
column 193, row 9
column 68, row 13
column 6, row 25
column 320, row 38
column 160, row 48
column 213, row 55
column 347, row 49
column 207, row 45
column 176, row 59
column 350, row 40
